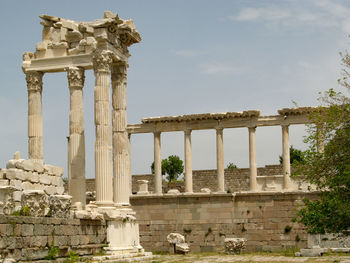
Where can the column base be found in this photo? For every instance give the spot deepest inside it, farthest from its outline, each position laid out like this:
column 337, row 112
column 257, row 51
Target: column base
column 105, row 204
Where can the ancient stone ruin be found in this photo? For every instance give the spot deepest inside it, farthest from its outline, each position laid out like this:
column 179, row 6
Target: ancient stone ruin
column 40, row 220
column 33, row 188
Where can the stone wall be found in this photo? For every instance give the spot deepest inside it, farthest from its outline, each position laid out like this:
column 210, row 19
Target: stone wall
column 206, row 219
column 29, row 238
column 235, row 179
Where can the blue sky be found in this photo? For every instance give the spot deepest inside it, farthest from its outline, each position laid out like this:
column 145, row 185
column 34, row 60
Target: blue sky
column 195, row 57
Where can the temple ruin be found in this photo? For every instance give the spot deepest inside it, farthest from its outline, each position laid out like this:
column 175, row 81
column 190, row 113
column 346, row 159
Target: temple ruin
column 32, row 188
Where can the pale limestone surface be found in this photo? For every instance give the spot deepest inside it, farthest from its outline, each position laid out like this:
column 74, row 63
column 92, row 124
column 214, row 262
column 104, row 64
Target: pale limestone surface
column 234, row 245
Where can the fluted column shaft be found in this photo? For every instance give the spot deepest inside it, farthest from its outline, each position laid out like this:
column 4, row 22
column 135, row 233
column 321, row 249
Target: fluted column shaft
column 252, row 160
column 35, row 119
column 188, row 162
column 157, row 164
column 220, row 160
column 286, row 157
column 103, row 149
column 76, row 143
column 121, row 145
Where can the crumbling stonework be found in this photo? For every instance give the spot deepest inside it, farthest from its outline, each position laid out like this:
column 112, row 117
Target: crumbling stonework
column 30, row 238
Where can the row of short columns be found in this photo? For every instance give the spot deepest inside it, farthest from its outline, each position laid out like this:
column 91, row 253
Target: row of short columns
column 253, row 186
column 112, row 146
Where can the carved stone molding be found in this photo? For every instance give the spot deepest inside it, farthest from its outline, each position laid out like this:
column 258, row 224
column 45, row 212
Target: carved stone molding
column 102, row 60
column 119, row 73
column 35, row 200
column 34, row 81
column 76, row 77
column 7, row 203
column 60, row 205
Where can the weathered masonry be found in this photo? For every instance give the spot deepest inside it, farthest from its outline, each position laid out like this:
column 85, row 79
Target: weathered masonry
column 219, row 121
column 74, row 47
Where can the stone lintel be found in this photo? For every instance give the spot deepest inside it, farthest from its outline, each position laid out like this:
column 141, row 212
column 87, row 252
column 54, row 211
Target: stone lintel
column 208, row 124
column 60, row 64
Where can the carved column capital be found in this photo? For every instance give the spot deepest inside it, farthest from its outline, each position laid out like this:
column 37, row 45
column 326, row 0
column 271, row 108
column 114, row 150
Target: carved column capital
column 76, row 77
column 34, row 81
column 102, row 60
column 119, row 72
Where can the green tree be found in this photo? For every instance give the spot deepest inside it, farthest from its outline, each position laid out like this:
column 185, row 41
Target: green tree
column 329, row 170
column 296, row 156
column 172, row 166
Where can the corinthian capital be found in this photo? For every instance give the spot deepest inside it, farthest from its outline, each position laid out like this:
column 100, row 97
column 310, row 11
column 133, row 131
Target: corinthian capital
column 119, row 72
column 34, row 80
column 102, row 60
column 76, row 77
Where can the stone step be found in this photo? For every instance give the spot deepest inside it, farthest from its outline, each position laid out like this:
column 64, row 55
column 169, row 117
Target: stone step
column 127, row 257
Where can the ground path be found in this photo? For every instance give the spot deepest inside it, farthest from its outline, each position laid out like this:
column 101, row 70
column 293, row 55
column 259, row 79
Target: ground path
column 212, row 258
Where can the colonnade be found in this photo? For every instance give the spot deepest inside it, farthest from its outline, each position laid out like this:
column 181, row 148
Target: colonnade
column 253, row 186
column 112, row 147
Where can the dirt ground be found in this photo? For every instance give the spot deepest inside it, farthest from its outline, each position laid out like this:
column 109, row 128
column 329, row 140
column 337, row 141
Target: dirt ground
column 247, row 258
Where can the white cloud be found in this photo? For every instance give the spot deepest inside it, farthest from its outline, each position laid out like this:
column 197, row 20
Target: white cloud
column 187, row 53
column 324, row 13
column 216, row 68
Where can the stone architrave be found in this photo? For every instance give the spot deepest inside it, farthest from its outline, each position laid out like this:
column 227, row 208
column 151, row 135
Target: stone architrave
column 188, row 162
column 60, row 205
column 102, row 62
column 35, row 121
column 36, row 201
column 253, row 185
column 157, row 163
column 121, row 143
column 220, row 160
column 286, row 157
column 76, row 141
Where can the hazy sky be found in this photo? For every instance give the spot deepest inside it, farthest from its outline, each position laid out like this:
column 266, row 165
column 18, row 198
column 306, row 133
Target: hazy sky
column 195, row 56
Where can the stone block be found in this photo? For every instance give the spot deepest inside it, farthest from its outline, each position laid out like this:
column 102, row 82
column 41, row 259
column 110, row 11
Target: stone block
column 32, row 177
column 13, row 173
column 11, row 164
column 44, row 179
column 61, row 240
column 57, row 180
column 53, row 170
column 38, row 167
column 27, row 186
column 60, row 190
column 16, row 184
column 4, row 182
column 27, row 230
column 17, row 196
column 50, row 189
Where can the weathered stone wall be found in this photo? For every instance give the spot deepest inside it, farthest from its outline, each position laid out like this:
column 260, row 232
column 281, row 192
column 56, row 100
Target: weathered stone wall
column 235, row 179
column 29, row 238
column 206, row 219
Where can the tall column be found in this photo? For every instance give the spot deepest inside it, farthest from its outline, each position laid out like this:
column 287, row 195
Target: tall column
column 252, row 160
column 188, row 162
column 121, row 145
column 76, row 141
column 220, row 160
column 35, row 119
column 102, row 62
column 157, row 164
column 286, row 157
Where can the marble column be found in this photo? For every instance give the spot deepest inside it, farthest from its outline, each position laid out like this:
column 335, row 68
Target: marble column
column 35, row 119
column 253, row 185
column 157, row 164
column 286, row 157
column 102, row 62
column 76, row 141
column 121, row 145
column 188, row 162
column 220, row 160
